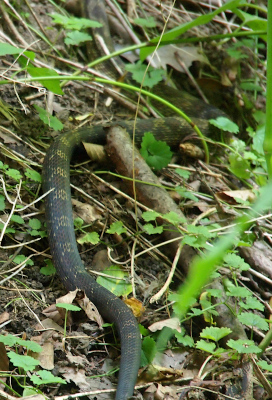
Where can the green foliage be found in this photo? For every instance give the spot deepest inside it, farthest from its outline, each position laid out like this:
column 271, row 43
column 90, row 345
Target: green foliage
column 33, row 175
column 214, row 333
column 44, row 377
column 75, row 38
column 145, row 22
column 27, row 363
column 243, row 346
column 153, row 230
column 148, row 78
column 232, row 260
column 49, row 269
column 253, row 320
column 186, row 194
column 48, row 119
column 156, row 153
column 180, row 30
column 68, row 307
column 51, row 84
column 116, row 227
column 20, row 259
column 91, row 237
column 14, row 174
column 225, row 124
column 149, row 350
column 6, row 48
column 118, row 284
column 73, row 23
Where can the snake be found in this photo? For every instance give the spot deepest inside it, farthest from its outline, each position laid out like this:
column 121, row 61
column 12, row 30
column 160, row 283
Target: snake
column 61, row 234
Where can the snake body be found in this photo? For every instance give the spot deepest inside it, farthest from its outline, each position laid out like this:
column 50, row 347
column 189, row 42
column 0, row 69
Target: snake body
column 59, row 218
column 66, row 258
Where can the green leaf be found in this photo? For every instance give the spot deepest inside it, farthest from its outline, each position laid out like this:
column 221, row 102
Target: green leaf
column 258, row 139
column 156, row 153
column 234, row 261
column 29, row 391
column 74, row 23
column 264, row 365
column 251, row 319
column 150, row 215
column 183, row 173
column 46, row 378
column 143, row 330
column 244, row 346
column 2, row 203
column 225, row 124
column 151, row 76
column 49, row 119
column 209, row 347
column 8, row 340
column 32, row 346
column 215, row 292
column 14, row 173
column 118, row 284
column 153, row 230
column 17, row 219
column 186, row 194
column 75, row 38
column 34, row 223
column 91, row 237
column 51, row 84
column 68, row 307
column 239, row 166
column 78, row 222
column 149, row 350
column 49, row 269
column 145, row 22
column 181, row 29
column 253, row 22
column 21, row 259
column 174, row 218
column 33, row 175
column 185, row 340
column 6, row 48
column 238, row 291
column 117, row 227
column 214, row 333
column 252, row 304
column 26, row 362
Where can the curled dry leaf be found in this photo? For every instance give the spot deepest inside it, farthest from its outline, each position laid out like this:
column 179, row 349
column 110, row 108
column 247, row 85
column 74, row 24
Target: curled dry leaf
column 87, row 212
column 95, row 152
column 173, row 323
column 230, row 196
column 136, row 306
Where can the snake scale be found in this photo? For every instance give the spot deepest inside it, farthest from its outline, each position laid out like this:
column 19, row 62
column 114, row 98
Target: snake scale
column 59, row 218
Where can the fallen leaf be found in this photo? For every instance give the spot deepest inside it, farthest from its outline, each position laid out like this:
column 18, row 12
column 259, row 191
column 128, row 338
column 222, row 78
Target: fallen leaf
column 173, row 323
column 136, row 306
column 186, row 54
column 230, row 196
column 87, row 212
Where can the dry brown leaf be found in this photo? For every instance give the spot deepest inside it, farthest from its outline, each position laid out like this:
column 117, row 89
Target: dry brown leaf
column 87, row 212
column 4, row 317
column 230, row 196
column 136, row 306
column 173, row 323
column 95, row 152
column 186, row 54
column 46, row 356
column 90, row 310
